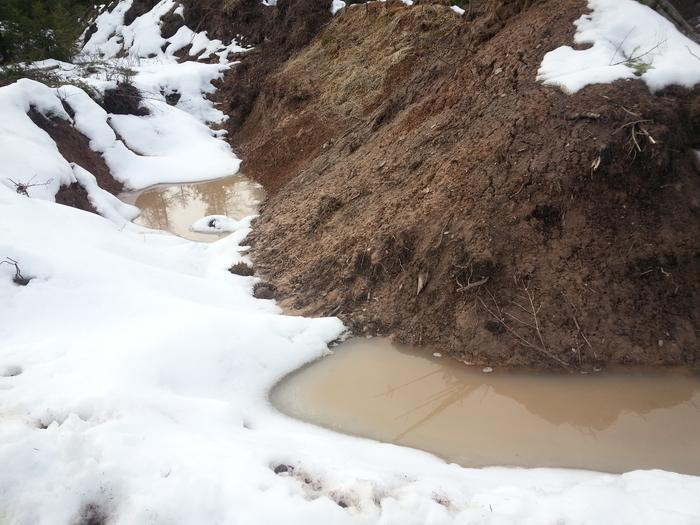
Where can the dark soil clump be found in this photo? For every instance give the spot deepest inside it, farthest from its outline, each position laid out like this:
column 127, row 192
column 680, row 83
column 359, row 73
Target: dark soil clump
column 125, row 99
column 75, row 196
column 242, row 269
column 264, row 291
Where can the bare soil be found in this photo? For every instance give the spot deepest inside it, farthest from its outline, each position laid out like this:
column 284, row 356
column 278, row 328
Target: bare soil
column 75, row 147
column 276, row 32
column 425, row 186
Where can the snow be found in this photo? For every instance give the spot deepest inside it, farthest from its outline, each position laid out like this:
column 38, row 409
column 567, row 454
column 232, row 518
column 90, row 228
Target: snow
column 217, row 224
column 137, row 372
column 135, row 368
column 142, row 38
column 336, row 6
column 170, row 145
column 627, row 40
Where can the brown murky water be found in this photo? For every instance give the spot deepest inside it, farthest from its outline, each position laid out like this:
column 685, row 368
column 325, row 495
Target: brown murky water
column 610, row 421
column 175, row 207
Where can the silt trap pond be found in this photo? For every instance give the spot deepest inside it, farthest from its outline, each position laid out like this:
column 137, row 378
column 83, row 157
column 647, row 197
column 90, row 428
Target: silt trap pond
column 609, row 421
column 612, row 421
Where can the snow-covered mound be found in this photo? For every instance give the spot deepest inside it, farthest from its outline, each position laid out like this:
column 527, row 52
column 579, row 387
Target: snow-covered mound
column 627, row 40
column 170, row 145
column 143, row 38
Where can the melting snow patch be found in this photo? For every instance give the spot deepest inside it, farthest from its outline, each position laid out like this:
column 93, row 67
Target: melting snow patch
column 627, row 40
column 336, row 6
column 218, row 224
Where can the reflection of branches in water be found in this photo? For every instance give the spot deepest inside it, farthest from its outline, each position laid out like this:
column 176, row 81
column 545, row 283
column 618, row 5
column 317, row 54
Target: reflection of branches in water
column 390, row 390
column 183, row 195
column 587, row 404
column 236, row 199
column 456, row 390
column 444, row 399
column 155, row 210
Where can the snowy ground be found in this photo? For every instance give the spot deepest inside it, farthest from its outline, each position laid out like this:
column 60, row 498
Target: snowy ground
column 134, row 368
column 624, row 40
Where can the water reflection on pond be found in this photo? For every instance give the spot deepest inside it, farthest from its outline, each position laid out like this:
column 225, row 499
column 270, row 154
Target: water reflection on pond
column 609, row 421
column 175, row 207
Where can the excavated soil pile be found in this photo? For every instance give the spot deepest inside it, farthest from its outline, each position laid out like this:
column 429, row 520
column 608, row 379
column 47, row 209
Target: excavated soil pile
column 276, row 31
column 424, row 185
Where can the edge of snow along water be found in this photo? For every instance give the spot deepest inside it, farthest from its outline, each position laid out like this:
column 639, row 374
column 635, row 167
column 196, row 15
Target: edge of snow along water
column 134, row 368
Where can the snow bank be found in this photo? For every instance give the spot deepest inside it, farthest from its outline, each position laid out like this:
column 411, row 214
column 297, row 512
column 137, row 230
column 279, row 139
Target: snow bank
column 170, row 145
column 336, row 6
column 627, row 40
column 135, row 374
column 29, row 156
column 142, row 38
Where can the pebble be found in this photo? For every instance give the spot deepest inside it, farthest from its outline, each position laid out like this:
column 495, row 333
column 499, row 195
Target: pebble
column 487, row 370
column 437, row 354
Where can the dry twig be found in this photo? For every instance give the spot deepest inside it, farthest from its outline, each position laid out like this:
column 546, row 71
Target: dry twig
column 536, row 340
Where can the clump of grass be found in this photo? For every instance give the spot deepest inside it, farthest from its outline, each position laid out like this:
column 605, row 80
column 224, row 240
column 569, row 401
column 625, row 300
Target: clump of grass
column 639, row 67
column 327, row 40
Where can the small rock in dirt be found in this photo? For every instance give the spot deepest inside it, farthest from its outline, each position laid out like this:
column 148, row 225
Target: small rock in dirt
column 283, row 469
column 437, row 354
column 487, row 370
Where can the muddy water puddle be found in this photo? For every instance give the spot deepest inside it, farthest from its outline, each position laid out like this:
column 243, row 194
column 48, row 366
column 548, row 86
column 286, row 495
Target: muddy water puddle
column 609, row 421
column 175, row 207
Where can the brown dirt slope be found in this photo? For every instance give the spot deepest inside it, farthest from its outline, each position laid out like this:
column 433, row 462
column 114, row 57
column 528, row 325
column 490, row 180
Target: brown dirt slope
column 426, row 186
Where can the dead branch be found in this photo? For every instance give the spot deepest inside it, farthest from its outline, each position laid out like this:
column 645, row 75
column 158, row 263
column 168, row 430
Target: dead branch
column 536, row 341
column 579, row 329
column 23, row 187
column 18, row 278
column 617, row 49
column 471, row 286
column 635, row 58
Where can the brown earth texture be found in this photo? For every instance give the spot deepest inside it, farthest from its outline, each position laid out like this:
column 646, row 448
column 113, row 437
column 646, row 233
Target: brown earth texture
column 423, row 185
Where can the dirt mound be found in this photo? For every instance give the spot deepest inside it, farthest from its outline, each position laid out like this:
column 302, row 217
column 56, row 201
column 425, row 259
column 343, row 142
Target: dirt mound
column 276, row 31
column 425, row 186
column 75, row 147
column 125, row 99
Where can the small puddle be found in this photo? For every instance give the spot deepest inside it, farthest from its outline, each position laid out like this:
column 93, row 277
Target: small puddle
column 174, row 207
column 610, row 421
